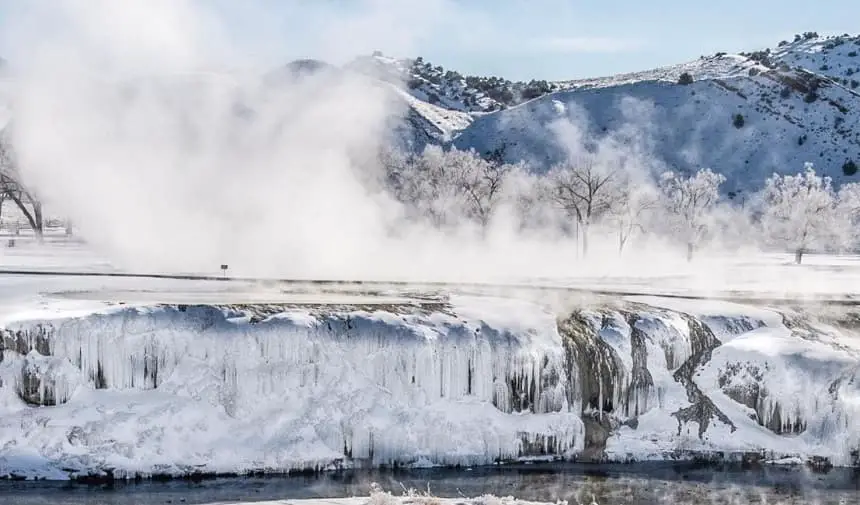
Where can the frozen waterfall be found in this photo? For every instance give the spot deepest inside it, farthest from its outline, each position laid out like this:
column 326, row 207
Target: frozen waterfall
column 174, row 390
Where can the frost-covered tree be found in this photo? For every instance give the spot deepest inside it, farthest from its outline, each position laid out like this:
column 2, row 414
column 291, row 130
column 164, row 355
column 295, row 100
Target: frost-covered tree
column 449, row 187
column 848, row 212
column 733, row 224
column 688, row 202
column 429, row 187
column 584, row 190
column 799, row 211
column 482, row 183
column 529, row 195
column 393, row 164
column 628, row 210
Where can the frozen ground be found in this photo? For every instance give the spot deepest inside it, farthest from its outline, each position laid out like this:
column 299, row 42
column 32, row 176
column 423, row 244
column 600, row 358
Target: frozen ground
column 140, row 376
column 736, row 277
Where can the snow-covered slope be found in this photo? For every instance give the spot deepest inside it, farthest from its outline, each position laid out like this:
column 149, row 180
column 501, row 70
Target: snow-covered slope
column 798, row 102
column 448, row 88
column 412, row 123
column 176, row 389
column 705, row 68
column 788, row 118
column 837, row 57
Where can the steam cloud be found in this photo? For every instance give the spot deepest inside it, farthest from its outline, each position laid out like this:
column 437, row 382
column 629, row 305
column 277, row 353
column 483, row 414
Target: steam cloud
column 121, row 123
column 143, row 121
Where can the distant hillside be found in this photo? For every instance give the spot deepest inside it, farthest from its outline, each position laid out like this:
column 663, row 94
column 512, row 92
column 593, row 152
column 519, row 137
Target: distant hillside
column 450, row 89
column 420, row 124
column 746, row 115
column 836, row 57
column 746, row 121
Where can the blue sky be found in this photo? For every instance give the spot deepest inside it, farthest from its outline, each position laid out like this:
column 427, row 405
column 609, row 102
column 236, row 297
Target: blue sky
column 557, row 39
column 517, row 39
column 590, row 38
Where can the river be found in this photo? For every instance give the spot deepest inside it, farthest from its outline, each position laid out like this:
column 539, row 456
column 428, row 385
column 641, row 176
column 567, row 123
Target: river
column 603, row 484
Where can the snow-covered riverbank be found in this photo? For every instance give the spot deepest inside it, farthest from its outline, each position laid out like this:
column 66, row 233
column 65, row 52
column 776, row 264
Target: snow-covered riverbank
column 142, row 377
column 183, row 389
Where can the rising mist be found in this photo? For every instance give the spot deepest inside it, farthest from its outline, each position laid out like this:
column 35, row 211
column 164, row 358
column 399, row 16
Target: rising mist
column 145, row 123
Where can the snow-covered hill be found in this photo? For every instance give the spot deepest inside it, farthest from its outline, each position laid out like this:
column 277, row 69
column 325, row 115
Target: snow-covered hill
column 736, row 117
column 450, row 89
column 416, row 124
column 837, row 57
column 745, row 115
column 721, row 66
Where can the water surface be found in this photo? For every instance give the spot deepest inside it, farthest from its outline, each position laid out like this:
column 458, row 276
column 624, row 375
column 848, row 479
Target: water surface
column 604, row 484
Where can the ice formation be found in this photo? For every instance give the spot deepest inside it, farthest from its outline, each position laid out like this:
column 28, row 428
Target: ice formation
column 174, row 389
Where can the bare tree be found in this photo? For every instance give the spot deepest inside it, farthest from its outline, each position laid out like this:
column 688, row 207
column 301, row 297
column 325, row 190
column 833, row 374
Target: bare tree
column 582, row 189
column 689, row 202
column 482, row 182
column 11, row 187
column 629, row 208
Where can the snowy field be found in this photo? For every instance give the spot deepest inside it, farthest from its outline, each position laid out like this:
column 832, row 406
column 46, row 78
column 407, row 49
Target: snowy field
column 753, row 276
column 129, row 377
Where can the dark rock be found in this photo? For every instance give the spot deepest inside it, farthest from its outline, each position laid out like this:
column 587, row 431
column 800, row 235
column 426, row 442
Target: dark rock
column 540, row 445
column 702, row 410
column 598, row 428
column 641, row 383
column 819, row 464
column 595, row 371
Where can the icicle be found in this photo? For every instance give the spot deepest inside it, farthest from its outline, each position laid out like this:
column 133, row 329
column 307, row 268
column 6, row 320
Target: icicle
column 364, row 370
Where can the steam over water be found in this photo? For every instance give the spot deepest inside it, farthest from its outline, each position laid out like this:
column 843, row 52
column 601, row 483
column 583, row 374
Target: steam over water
column 615, row 485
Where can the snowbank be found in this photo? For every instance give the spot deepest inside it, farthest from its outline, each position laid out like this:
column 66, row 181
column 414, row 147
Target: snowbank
column 176, row 389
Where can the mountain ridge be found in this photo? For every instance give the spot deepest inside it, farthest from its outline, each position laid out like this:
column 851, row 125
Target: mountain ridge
column 746, row 115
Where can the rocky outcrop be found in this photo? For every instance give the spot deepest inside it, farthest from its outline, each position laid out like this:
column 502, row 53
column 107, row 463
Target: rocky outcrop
column 597, row 376
column 641, row 382
column 702, row 409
